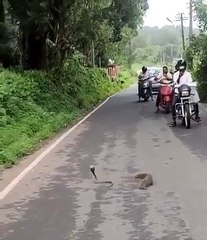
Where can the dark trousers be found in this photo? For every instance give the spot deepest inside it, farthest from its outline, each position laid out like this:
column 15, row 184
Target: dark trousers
column 158, row 99
column 175, row 99
column 150, row 89
column 139, row 89
column 196, row 110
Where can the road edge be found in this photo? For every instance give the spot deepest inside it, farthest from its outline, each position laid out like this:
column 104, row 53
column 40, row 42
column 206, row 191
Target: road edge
column 41, row 156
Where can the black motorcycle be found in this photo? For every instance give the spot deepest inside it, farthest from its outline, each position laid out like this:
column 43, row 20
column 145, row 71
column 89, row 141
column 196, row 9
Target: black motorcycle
column 185, row 108
column 144, row 88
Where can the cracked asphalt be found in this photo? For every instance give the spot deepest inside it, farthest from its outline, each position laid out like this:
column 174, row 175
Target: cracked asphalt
column 58, row 199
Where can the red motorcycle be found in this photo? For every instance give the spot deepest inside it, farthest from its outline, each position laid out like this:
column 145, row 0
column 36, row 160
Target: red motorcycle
column 166, row 96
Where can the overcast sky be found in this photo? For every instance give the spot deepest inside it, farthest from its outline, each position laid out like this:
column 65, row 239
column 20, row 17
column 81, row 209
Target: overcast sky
column 160, row 9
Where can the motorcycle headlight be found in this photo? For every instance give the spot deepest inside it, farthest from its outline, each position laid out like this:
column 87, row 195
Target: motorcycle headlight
column 185, row 93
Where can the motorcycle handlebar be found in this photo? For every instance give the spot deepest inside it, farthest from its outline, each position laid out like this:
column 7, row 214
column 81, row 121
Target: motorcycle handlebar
column 193, row 84
column 169, row 83
column 145, row 79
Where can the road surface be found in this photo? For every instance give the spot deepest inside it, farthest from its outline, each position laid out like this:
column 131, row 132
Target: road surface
column 58, row 199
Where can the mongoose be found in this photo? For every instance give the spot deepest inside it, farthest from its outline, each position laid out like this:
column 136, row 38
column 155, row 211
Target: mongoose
column 144, row 180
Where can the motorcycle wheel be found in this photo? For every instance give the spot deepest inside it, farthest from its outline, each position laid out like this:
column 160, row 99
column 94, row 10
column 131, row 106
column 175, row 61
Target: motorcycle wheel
column 187, row 116
column 146, row 98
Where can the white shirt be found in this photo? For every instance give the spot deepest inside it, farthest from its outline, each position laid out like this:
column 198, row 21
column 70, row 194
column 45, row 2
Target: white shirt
column 185, row 79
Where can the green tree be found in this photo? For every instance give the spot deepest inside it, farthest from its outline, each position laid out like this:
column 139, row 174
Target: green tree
column 196, row 52
column 158, row 45
column 53, row 29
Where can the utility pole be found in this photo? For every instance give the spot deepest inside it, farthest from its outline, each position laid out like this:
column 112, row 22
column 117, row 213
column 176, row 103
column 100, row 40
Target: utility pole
column 182, row 29
column 191, row 20
column 181, row 19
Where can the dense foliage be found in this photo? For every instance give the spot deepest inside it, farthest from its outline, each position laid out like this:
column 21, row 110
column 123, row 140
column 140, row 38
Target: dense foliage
column 51, row 50
column 158, row 45
column 45, row 30
column 197, row 50
column 34, row 105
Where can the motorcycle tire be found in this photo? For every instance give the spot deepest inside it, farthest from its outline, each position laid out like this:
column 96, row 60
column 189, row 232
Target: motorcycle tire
column 146, row 98
column 187, row 116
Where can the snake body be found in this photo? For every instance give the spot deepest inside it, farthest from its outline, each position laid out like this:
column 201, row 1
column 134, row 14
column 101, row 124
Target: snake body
column 92, row 168
column 104, row 182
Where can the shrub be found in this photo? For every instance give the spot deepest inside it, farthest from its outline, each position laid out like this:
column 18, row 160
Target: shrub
column 34, row 105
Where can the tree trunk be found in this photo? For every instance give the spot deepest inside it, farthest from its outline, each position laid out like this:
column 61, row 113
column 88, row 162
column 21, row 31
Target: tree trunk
column 2, row 16
column 34, row 51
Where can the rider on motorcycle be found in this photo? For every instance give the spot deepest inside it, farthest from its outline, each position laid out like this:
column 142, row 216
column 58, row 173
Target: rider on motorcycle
column 182, row 76
column 165, row 75
column 144, row 75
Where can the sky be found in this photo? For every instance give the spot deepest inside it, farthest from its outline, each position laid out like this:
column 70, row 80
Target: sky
column 159, row 10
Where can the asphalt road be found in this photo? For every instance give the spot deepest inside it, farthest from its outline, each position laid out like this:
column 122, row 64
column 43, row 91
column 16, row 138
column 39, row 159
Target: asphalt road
column 58, row 199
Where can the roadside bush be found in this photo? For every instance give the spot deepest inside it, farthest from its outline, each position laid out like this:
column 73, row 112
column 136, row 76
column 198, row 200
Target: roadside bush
column 34, row 105
column 196, row 54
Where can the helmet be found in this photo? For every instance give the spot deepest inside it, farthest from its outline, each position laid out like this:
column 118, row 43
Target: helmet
column 144, row 69
column 165, row 67
column 178, row 64
column 181, row 64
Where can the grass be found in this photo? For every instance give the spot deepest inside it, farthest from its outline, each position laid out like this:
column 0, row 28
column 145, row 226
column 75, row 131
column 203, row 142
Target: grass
column 35, row 106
